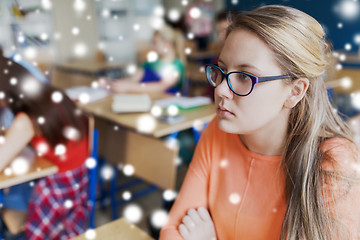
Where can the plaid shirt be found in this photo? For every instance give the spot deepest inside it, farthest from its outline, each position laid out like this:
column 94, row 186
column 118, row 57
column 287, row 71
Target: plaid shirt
column 59, row 206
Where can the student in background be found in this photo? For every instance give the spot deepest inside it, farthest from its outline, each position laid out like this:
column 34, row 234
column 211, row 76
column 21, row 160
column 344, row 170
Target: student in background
column 49, row 121
column 277, row 162
column 223, row 19
column 163, row 72
column 199, row 20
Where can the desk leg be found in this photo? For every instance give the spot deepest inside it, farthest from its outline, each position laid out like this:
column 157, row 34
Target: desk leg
column 93, row 178
column 1, row 221
column 197, row 132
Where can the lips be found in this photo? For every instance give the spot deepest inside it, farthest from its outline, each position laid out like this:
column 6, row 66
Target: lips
column 224, row 111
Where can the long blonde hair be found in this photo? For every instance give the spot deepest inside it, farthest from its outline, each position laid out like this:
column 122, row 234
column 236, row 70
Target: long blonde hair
column 301, row 50
column 176, row 38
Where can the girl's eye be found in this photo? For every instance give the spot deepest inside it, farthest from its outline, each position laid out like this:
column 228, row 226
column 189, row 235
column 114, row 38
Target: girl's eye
column 223, row 68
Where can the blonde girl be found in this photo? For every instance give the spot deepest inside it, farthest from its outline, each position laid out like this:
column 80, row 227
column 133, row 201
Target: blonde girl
column 164, row 73
column 276, row 162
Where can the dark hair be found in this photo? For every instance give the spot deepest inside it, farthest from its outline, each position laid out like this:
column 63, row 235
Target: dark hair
column 20, row 97
column 223, row 15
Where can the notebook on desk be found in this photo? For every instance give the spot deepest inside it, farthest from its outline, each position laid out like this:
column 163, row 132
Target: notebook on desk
column 93, row 94
column 131, row 103
column 183, row 102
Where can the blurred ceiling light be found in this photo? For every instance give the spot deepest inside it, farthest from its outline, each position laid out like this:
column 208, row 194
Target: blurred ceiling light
column 157, row 22
column 190, row 35
column 131, row 69
column 80, row 49
column 158, row 218
column 31, row 86
column 355, row 100
column 105, row 13
column 79, row 5
column 346, row 82
column 159, row 11
column 347, row 47
column 174, row 15
column 133, row 213
column 20, row 165
column 184, row 2
column 152, row 56
column 357, row 38
column 342, row 57
column 30, row 53
column 44, row 36
column 136, row 27
column 195, row 12
column 75, row 31
column 347, row 9
column 46, row 4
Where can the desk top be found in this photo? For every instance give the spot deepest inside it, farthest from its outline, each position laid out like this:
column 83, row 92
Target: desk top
column 118, row 229
column 89, row 66
column 351, row 73
column 102, row 109
column 38, row 169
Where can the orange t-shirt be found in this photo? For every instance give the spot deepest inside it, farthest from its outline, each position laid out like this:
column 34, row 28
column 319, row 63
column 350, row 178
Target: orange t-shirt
column 243, row 190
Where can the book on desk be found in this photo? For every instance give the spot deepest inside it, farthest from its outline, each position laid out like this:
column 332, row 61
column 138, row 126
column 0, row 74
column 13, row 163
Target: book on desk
column 92, row 94
column 131, row 103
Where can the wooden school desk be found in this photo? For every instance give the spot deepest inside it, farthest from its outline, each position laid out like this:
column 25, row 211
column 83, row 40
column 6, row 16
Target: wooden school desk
column 118, row 229
column 83, row 73
column 122, row 142
column 38, row 169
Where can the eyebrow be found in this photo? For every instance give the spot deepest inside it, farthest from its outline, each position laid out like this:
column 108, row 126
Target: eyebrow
column 243, row 66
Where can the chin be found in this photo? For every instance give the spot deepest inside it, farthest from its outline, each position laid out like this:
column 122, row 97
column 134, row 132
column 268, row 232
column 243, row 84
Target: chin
column 227, row 126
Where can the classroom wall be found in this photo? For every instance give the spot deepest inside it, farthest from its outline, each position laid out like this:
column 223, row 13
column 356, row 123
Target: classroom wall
column 6, row 37
column 170, row 4
column 327, row 12
column 65, row 19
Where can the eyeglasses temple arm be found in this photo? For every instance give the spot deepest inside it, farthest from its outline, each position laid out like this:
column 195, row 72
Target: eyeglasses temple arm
column 264, row 79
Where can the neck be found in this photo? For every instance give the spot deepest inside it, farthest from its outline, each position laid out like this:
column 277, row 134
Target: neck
column 169, row 56
column 269, row 141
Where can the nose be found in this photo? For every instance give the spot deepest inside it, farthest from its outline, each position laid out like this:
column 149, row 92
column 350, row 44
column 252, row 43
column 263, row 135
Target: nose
column 223, row 90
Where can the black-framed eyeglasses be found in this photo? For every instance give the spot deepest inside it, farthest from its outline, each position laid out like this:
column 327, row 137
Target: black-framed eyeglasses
column 240, row 83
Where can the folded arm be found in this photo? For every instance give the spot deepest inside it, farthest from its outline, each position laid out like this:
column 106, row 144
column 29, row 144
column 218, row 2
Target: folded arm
column 194, row 190
column 17, row 137
column 134, row 85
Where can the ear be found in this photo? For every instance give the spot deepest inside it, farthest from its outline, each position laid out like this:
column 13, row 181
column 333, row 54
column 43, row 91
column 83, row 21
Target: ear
column 298, row 90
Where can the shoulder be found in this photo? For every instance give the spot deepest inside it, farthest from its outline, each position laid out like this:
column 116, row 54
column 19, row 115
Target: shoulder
column 23, row 119
column 177, row 62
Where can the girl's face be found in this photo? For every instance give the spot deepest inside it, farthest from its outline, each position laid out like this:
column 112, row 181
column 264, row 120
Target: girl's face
column 263, row 110
column 161, row 46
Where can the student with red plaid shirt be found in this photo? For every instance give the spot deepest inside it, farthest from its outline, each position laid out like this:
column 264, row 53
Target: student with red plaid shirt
column 49, row 121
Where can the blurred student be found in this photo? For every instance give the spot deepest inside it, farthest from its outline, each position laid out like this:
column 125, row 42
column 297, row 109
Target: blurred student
column 222, row 22
column 199, row 20
column 221, row 25
column 164, row 69
column 45, row 118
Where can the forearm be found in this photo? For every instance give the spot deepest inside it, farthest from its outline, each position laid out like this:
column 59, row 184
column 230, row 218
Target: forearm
column 16, row 138
column 193, row 194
